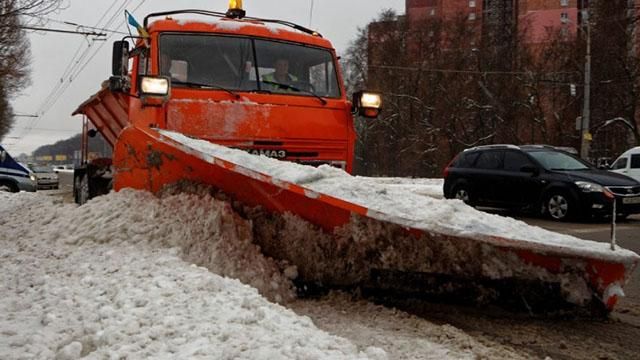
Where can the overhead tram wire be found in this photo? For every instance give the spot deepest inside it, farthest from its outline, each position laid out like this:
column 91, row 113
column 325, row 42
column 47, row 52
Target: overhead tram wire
column 88, row 61
column 78, row 26
column 102, row 45
column 85, row 33
column 68, row 75
column 454, row 71
column 73, row 60
column 69, row 68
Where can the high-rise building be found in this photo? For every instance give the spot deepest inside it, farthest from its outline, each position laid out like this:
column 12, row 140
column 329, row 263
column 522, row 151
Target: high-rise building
column 443, row 9
column 535, row 18
column 539, row 19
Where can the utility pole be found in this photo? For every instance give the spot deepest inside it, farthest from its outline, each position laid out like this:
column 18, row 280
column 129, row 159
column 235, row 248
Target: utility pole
column 585, row 135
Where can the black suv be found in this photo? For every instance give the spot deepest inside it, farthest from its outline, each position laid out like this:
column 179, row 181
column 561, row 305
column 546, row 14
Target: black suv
column 538, row 178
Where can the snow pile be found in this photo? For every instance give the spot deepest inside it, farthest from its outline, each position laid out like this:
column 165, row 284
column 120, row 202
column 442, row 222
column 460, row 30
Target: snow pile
column 108, row 280
column 104, row 287
column 402, row 206
column 425, row 187
column 207, row 231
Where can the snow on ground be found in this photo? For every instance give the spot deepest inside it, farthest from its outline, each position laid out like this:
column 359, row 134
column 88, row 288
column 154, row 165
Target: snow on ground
column 115, row 279
column 404, row 207
column 424, row 187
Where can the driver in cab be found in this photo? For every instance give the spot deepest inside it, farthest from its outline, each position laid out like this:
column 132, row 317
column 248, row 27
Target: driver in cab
column 280, row 75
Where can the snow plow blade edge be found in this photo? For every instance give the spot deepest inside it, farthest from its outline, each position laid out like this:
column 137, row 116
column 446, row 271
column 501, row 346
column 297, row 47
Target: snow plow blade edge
column 342, row 256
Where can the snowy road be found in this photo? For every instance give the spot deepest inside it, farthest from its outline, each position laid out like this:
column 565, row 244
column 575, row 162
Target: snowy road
column 437, row 330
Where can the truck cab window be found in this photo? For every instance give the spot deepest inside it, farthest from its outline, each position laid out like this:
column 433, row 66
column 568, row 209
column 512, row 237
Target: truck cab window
column 202, row 60
column 300, row 69
column 228, row 62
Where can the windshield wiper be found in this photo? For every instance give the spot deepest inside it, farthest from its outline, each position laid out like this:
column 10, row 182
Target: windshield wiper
column 291, row 87
column 204, row 86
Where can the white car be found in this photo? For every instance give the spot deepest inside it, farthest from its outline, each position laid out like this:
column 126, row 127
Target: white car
column 63, row 168
column 628, row 164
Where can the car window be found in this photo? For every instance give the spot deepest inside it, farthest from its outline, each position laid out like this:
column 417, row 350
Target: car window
column 514, row 161
column 555, row 160
column 467, row 159
column 41, row 169
column 620, row 164
column 489, row 160
column 635, row 161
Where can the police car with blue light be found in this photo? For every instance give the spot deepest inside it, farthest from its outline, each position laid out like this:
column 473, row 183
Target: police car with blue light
column 13, row 176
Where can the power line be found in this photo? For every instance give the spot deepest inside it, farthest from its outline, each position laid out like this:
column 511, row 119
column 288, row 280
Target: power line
column 79, row 70
column 475, row 72
column 79, row 26
column 24, row 115
column 85, row 33
column 69, row 75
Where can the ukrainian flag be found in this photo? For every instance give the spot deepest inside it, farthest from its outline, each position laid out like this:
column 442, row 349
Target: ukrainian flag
column 133, row 22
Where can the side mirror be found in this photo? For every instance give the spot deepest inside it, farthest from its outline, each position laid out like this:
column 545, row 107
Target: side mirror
column 367, row 104
column 92, row 133
column 3, row 156
column 120, row 61
column 530, row 170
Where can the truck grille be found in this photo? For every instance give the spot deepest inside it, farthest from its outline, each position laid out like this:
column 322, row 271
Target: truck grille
column 624, row 190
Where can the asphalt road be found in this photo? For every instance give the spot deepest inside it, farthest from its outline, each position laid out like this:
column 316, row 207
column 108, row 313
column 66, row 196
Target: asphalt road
column 570, row 337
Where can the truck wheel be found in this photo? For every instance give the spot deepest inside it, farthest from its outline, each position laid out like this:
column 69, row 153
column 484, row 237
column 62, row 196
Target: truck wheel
column 81, row 189
column 8, row 187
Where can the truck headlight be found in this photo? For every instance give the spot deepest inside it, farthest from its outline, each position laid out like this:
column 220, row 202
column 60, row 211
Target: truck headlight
column 367, row 104
column 589, row 186
column 154, row 86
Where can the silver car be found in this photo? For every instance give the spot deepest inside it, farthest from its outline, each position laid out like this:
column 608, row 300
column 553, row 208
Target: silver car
column 46, row 177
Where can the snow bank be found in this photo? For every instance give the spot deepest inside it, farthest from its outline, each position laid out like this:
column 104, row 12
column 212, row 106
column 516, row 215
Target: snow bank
column 109, row 280
column 105, row 285
column 403, row 206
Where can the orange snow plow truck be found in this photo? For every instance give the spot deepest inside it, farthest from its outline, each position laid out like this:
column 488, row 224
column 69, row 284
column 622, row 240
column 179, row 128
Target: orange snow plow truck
column 274, row 88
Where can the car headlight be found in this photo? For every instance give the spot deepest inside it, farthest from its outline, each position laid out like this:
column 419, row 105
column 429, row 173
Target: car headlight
column 589, row 186
column 32, row 177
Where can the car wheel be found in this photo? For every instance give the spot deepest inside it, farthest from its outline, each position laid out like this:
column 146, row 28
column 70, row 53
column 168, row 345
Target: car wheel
column 462, row 192
column 559, row 206
column 8, row 187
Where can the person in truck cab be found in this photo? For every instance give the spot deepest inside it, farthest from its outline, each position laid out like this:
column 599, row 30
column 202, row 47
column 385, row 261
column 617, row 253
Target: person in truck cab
column 281, row 74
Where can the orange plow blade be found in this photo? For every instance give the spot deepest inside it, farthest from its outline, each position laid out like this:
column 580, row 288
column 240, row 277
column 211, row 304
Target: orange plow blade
column 337, row 242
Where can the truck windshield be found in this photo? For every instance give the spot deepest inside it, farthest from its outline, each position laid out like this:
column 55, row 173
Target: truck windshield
column 227, row 62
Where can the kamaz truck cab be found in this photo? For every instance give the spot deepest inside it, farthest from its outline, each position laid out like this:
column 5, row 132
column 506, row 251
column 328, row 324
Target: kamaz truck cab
column 269, row 87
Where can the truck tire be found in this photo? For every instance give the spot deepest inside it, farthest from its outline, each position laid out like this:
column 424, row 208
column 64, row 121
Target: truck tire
column 81, row 189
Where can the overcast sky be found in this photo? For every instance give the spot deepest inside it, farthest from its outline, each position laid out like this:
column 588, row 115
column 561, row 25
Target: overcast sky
column 336, row 20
